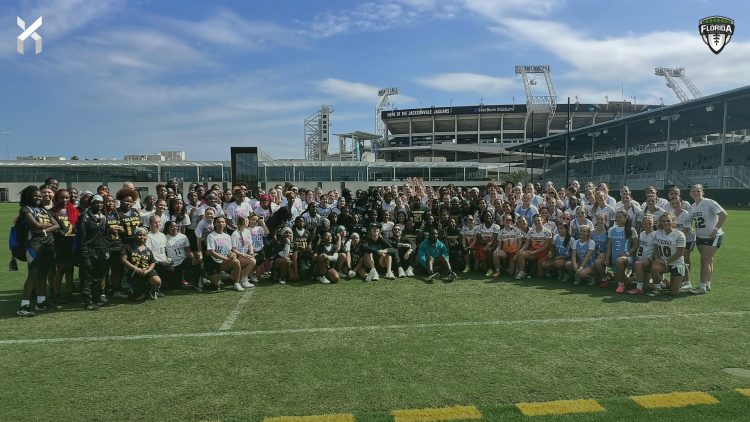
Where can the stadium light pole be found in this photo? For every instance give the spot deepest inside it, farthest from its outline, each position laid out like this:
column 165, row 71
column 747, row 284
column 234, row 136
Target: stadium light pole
column 567, row 139
column 531, row 176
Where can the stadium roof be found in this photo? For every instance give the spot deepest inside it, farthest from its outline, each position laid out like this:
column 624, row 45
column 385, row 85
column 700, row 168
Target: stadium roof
column 695, row 118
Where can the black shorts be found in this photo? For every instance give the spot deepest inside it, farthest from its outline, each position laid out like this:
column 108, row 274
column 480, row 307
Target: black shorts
column 715, row 242
column 677, row 271
column 210, row 266
column 42, row 258
column 63, row 250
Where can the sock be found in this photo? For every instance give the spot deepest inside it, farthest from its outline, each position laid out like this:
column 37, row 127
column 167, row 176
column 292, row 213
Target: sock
column 703, row 285
column 40, row 299
column 639, row 285
column 25, row 302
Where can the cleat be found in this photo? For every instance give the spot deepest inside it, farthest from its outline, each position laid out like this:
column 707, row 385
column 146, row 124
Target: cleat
column 25, row 311
column 410, row 272
column 323, row 280
column 634, row 292
column 620, row 288
column 520, row 275
column 698, row 291
column 432, row 277
column 488, row 273
column 451, row 277
column 238, row 287
column 401, row 272
column 390, row 276
column 246, row 284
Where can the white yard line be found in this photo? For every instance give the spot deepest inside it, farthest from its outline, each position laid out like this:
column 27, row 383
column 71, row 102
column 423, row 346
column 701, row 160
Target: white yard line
column 375, row 327
column 227, row 325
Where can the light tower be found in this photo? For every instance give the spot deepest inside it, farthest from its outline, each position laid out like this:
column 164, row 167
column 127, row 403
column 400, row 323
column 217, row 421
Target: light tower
column 671, row 74
column 317, row 131
column 380, row 128
column 538, row 103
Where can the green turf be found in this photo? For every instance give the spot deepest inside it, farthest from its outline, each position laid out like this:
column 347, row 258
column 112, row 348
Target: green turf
column 370, row 372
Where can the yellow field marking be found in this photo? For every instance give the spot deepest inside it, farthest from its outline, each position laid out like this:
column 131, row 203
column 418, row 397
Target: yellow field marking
column 677, row 399
column 560, row 407
column 744, row 391
column 338, row 417
column 436, row 414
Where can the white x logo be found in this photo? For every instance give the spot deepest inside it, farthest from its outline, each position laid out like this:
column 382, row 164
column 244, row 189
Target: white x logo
column 29, row 32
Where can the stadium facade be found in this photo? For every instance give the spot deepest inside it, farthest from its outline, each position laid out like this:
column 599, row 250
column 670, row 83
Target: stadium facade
column 482, row 133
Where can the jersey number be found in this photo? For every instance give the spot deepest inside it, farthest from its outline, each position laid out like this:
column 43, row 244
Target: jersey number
column 640, row 251
column 666, row 251
column 700, row 222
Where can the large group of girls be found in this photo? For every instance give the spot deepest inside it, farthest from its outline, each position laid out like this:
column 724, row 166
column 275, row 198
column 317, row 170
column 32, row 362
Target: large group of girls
column 133, row 248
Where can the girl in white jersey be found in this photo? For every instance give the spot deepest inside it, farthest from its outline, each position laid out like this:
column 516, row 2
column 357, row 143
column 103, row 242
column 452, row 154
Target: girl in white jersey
column 667, row 256
column 242, row 246
column 684, row 223
column 642, row 266
column 709, row 217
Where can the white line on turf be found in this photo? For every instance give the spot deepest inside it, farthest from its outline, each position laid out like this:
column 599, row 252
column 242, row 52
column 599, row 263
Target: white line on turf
column 375, row 327
column 227, row 325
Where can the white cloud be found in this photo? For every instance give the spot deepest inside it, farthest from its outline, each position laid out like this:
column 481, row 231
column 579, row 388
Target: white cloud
column 356, row 91
column 469, row 82
column 64, row 16
column 227, row 28
column 499, row 10
column 631, row 58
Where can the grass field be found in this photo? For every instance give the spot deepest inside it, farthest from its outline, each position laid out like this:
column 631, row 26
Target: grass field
column 368, row 349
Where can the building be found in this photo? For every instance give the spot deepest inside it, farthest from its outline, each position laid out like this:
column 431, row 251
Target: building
column 161, row 156
column 481, row 133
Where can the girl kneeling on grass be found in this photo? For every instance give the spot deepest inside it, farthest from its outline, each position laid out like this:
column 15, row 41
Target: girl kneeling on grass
column 220, row 256
column 668, row 251
column 582, row 263
column 621, row 247
column 600, row 236
column 325, row 258
column 535, row 250
column 643, row 260
column 242, row 246
column 140, row 263
column 560, row 253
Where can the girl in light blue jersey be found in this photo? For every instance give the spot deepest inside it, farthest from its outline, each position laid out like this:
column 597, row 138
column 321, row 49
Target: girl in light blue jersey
column 600, row 237
column 582, row 263
column 621, row 247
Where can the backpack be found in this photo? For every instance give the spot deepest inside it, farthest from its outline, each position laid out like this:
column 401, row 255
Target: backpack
column 19, row 237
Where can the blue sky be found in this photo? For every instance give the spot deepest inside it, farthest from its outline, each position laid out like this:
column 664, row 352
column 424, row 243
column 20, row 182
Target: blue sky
column 137, row 76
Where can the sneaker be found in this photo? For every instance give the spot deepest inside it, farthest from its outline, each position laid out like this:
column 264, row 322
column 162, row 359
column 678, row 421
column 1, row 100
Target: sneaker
column 103, row 298
column 466, row 270
column 685, row 286
column 620, row 288
column 246, row 284
column 390, row 276
column 410, row 272
column 451, row 277
column 47, row 306
column 92, row 307
column 352, row 274
column 372, row 275
column 520, row 275
column 603, row 283
column 238, row 287
column 698, row 291
column 654, row 293
column 496, row 274
column 253, row 279
column 488, row 273
column 281, row 281
column 184, row 283
column 708, row 286
column 25, row 311
column 635, row 291
column 323, row 280
column 401, row 273
column 120, row 295
column 13, row 266
column 432, row 276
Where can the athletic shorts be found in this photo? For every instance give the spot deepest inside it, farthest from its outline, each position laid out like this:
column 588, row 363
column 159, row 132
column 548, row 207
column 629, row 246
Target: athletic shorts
column 677, row 270
column 715, row 242
column 510, row 250
column 539, row 256
column 210, row 266
column 42, row 258
column 689, row 246
column 631, row 260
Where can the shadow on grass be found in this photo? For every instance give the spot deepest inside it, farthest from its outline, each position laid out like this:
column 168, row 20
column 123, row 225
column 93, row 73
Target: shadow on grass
column 607, row 295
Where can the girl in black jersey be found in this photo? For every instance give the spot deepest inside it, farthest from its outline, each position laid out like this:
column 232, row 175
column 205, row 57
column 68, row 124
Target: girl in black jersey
column 40, row 249
column 138, row 260
column 66, row 216
column 325, row 258
column 302, row 248
column 113, row 219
